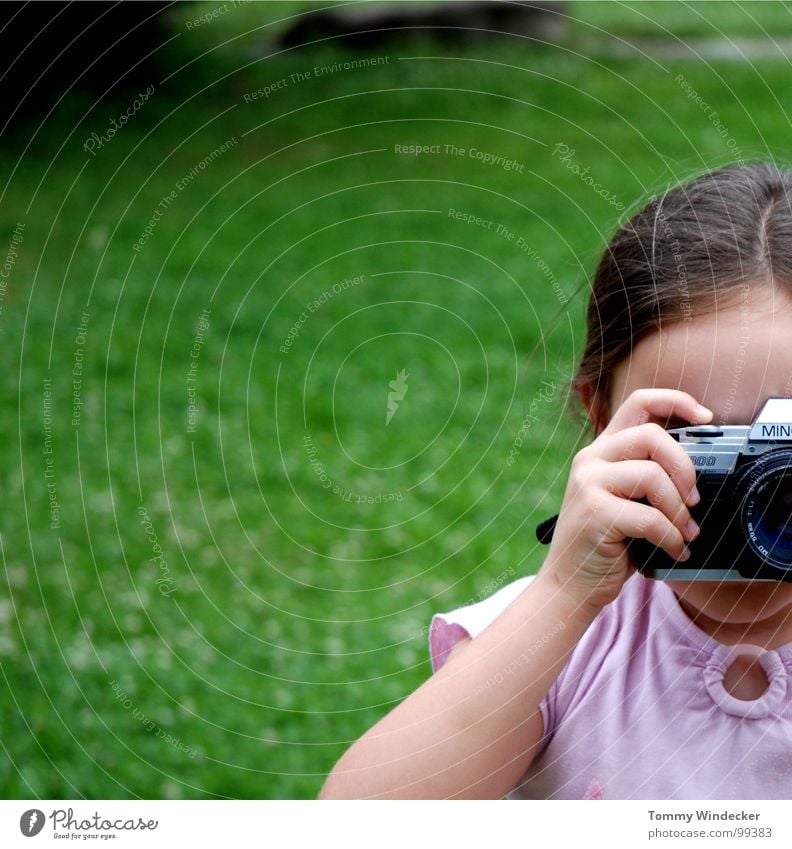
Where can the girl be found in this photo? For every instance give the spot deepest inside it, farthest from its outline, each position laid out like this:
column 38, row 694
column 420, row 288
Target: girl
column 590, row 680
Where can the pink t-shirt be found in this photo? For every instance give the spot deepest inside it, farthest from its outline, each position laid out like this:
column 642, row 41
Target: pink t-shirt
column 639, row 710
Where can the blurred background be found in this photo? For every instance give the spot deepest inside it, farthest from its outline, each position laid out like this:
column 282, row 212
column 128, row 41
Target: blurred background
column 289, row 296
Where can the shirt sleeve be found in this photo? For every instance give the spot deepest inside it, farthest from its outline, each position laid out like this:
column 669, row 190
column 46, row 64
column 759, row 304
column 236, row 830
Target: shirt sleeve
column 447, row 629
column 598, row 656
column 577, row 676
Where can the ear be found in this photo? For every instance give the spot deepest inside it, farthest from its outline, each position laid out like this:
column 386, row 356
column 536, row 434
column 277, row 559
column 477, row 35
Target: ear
column 591, row 402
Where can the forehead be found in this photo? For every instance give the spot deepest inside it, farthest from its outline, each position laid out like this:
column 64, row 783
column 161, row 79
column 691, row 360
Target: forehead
column 730, row 360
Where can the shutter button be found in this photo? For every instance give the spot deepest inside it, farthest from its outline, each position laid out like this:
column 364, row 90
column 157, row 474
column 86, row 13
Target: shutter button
column 703, row 431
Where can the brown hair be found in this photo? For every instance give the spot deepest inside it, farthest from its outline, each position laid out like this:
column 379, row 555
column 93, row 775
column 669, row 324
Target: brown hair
column 689, row 251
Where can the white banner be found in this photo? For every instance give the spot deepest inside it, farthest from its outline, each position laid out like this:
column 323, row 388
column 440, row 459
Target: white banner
column 396, row 825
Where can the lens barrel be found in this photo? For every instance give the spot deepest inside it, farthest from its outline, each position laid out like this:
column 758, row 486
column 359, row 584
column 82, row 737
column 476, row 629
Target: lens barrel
column 764, row 492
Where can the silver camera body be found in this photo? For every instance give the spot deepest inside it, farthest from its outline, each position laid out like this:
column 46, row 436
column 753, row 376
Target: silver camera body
column 744, row 476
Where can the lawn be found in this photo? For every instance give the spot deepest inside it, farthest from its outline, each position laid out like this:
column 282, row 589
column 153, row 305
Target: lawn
column 223, row 541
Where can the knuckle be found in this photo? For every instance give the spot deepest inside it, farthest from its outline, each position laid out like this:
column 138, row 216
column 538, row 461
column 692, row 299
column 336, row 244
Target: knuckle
column 591, row 501
column 680, row 471
column 581, row 458
column 641, row 395
column 654, row 524
column 680, row 461
column 658, row 495
column 582, row 470
column 687, row 464
column 684, row 471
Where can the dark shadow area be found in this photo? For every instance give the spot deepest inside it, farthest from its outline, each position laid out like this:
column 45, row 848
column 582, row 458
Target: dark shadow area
column 49, row 48
column 369, row 25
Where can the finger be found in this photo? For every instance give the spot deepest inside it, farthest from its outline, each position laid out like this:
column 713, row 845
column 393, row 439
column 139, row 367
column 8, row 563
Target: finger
column 646, row 405
column 635, row 479
column 651, row 442
column 633, row 520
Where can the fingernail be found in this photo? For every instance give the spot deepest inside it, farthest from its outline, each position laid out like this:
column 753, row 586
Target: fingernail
column 694, row 497
column 692, row 529
column 685, row 554
column 703, row 413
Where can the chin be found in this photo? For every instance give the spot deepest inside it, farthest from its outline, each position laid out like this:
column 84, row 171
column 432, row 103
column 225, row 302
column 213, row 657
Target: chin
column 735, row 601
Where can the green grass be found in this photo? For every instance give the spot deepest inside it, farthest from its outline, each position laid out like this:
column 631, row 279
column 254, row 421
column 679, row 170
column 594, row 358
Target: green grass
column 647, row 18
column 296, row 617
column 679, row 19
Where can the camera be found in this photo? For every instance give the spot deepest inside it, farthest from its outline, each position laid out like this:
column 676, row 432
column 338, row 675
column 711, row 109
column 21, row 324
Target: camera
column 744, row 476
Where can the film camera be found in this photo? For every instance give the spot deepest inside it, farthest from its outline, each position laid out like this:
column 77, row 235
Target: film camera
column 744, row 476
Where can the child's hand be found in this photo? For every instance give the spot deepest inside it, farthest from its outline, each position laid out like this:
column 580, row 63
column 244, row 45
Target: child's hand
column 632, row 458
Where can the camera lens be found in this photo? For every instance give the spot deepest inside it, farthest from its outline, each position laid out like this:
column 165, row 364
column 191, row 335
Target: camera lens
column 767, row 508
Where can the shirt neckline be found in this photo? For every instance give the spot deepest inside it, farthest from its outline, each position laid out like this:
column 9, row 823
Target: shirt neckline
column 719, row 657
column 688, row 627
